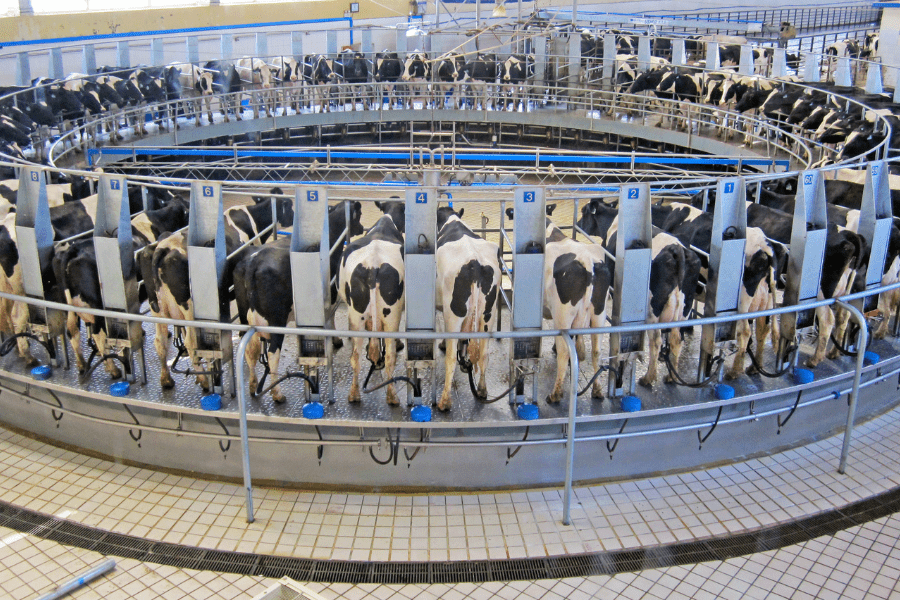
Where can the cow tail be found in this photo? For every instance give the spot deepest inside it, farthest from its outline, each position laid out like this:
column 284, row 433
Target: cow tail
column 374, row 343
column 681, row 270
column 475, row 321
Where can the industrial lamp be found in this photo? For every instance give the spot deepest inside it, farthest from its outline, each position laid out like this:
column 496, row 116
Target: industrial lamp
column 499, row 8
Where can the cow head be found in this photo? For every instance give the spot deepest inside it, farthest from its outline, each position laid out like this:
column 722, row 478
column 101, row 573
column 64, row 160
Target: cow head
column 204, row 83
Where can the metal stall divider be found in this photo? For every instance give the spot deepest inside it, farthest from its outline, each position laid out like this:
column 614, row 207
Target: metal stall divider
column 875, row 221
column 634, row 241
column 420, row 243
column 726, row 269
column 805, row 258
column 206, row 267
column 34, row 241
column 530, row 230
column 311, row 285
column 117, row 273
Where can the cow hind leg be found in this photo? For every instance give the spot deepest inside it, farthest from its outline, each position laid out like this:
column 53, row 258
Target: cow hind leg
column 742, row 338
column 162, row 336
column 842, row 318
column 355, row 345
column 390, row 361
column 73, row 326
column 562, row 358
column 596, row 389
column 674, row 353
column 99, row 336
column 20, row 325
column 449, row 371
column 275, row 343
column 654, row 340
column 826, row 326
column 254, row 349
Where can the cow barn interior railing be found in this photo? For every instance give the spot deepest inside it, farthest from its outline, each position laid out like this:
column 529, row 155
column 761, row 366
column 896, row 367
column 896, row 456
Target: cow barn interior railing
column 670, row 419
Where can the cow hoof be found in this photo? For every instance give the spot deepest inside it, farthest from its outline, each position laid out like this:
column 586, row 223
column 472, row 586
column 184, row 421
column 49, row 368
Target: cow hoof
column 392, row 399
column 354, row 397
column 279, row 398
column 115, row 373
column 597, row 393
column 812, row 363
column 166, row 383
column 833, row 353
column 30, row 361
column 646, row 382
column 553, row 399
column 337, row 343
column 444, row 406
column 442, row 346
column 734, row 374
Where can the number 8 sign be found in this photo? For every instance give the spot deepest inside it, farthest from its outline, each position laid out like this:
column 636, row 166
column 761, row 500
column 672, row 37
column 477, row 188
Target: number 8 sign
column 808, row 179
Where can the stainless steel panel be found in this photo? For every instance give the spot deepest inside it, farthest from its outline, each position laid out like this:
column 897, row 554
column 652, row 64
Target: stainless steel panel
column 779, row 63
column 842, row 75
column 746, row 66
column 528, row 273
column 123, row 57
column 643, row 53
column 731, row 270
column 635, row 287
column 678, row 52
column 192, row 47
column 56, row 64
column 529, row 220
column 811, row 269
column 712, row 55
column 309, row 288
column 420, row 273
column 811, row 71
column 34, row 232
column 206, row 249
column 262, row 44
column 421, row 220
column 609, row 55
column 204, row 283
column 297, row 43
column 23, row 69
column 879, row 244
column 89, row 59
column 109, row 270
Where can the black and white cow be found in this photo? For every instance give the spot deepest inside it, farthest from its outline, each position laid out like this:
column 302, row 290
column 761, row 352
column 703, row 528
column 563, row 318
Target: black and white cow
column 416, row 72
column 515, row 72
column 318, row 77
column 764, row 262
column 576, row 285
column 247, row 220
column 226, row 81
column 845, row 256
column 371, row 283
column 286, row 73
column 256, row 77
column 468, row 284
column 483, row 70
column 193, row 86
column 265, row 268
column 352, row 70
column 388, row 70
column 446, row 72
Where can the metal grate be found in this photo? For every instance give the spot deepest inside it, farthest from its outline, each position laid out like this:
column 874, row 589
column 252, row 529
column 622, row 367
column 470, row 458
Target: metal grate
column 332, row 571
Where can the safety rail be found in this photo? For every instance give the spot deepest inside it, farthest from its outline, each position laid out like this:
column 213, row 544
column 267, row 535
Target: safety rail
column 572, row 420
column 592, row 104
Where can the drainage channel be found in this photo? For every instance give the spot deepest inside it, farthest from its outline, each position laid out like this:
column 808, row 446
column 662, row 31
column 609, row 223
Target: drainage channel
column 478, row 571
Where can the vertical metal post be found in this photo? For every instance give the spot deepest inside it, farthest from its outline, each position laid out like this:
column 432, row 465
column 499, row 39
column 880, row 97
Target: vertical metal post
column 23, row 69
column 226, row 46
column 56, row 63
column 193, row 49
column 122, row 54
column 88, row 59
column 157, row 53
column 570, row 432
column 262, row 44
column 331, row 42
column 297, row 44
column 862, row 342
column 242, row 404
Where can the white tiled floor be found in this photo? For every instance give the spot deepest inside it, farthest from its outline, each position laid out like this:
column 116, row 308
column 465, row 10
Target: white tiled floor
column 382, row 527
column 861, row 562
